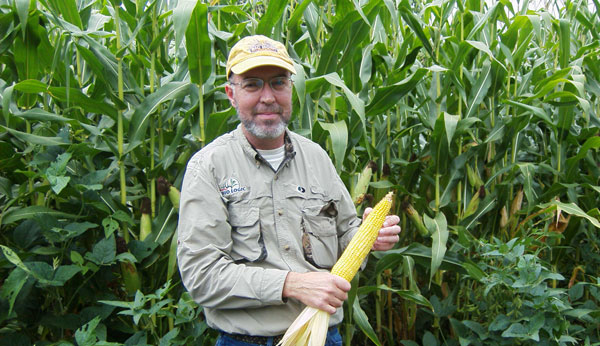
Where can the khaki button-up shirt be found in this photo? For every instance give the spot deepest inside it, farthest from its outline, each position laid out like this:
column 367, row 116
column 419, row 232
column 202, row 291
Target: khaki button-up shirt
column 243, row 226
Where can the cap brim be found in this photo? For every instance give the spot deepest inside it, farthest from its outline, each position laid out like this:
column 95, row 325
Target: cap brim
column 258, row 61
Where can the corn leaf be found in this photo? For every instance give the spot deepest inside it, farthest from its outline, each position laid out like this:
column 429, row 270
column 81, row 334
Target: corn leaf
column 438, row 228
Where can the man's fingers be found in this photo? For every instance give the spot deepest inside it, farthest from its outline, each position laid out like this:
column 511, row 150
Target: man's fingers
column 392, row 230
column 391, row 220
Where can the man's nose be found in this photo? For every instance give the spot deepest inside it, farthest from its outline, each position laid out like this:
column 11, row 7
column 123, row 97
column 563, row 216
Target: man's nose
column 266, row 94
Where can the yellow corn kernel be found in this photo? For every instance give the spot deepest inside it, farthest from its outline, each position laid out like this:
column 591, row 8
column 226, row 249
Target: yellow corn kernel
column 348, row 264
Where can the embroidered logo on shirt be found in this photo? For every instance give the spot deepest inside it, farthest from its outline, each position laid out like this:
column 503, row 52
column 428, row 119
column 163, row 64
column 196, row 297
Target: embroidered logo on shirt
column 231, row 186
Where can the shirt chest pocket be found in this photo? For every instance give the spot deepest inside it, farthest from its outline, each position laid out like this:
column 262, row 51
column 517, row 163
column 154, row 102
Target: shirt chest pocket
column 247, row 241
column 319, row 235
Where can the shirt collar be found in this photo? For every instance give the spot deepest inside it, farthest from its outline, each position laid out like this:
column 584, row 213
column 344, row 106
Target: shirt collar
column 251, row 151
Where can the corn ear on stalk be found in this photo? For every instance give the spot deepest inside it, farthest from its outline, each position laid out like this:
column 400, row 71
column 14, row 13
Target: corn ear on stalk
column 310, row 327
column 145, row 218
column 362, row 184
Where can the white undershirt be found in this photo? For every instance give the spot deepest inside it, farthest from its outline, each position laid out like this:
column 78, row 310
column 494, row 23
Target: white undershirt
column 273, row 156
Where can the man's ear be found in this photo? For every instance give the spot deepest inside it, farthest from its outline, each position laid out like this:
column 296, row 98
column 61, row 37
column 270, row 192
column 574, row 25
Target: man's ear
column 229, row 92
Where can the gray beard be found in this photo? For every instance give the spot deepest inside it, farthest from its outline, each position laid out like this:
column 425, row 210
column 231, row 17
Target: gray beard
column 261, row 132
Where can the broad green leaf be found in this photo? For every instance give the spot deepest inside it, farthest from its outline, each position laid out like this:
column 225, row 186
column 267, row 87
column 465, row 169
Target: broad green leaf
column 297, row 14
column 56, row 173
column 22, row 7
column 485, row 206
column 422, row 254
column 27, row 61
column 482, row 21
column 104, row 252
column 450, row 123
column 409, row 295
column 12, row 286
column 86, row 335
column 528, row 173
column 33, row 86
column 14, row 258
column 271, row 17
column 572, row 209
column 572, row 162
column 479, row 90
column 564, row 39
column 485, row 49
column 361, row 319
column 68, row 10
column 328, row 60
column 417, row 26
column 537, row 111
column 77, row 98
column 389, row 96
column 334, row 79
column 438, row 228
column 143, row 113
column 181, row 19
column 17, row 214
column 35, row 139
column 38, row 114
column 366, row 65
column 199, row 45
column 64, row 273
column 338, row 132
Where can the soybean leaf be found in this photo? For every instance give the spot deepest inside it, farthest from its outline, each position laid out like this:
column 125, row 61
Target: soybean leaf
column 12, row 286
column 103, row 252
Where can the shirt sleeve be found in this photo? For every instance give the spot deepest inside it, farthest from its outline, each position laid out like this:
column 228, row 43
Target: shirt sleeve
column 207, row 270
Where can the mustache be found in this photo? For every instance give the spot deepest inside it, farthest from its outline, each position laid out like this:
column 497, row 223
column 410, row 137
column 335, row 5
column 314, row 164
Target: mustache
column 271, row 109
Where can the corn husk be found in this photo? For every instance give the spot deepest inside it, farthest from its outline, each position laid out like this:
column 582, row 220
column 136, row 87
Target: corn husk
column 310, row 327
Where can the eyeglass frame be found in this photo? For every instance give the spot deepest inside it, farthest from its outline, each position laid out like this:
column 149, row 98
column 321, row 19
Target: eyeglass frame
column 263, row 83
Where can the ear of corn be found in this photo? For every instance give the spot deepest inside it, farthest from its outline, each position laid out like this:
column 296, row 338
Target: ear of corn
column 310, row 327
column 362, row 242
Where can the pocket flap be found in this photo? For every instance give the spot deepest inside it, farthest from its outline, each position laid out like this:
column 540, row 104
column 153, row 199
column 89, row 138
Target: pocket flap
column 243, row 217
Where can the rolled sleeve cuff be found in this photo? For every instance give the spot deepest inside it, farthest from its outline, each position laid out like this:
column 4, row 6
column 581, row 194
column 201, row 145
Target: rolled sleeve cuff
column 272, row 286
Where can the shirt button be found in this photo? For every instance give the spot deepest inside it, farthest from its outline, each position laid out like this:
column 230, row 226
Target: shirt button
column 286, row 247
column 280, row 212
column 275, row 178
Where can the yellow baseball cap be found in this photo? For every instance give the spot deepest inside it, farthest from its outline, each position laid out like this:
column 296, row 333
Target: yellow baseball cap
column 255, row 51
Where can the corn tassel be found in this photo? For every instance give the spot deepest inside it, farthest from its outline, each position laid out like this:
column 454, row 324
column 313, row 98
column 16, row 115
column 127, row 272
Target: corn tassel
column 310, row 327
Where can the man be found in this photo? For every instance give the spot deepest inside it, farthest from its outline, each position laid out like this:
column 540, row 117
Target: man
column 263, row 214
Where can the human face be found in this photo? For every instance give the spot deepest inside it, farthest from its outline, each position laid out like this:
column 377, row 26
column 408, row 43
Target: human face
column 265, row 113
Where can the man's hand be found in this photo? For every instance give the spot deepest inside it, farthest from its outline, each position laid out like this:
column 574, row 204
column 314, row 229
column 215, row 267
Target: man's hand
column 320, row 290
column 388, row 234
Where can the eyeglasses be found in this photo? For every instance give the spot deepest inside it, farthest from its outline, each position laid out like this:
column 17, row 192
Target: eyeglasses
column 252, row 85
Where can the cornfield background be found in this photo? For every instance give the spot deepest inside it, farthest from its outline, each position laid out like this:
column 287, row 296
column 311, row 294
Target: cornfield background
column 482, row 116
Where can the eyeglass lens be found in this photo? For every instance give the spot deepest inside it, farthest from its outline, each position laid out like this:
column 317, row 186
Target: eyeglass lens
column 256, row 84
